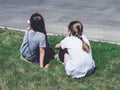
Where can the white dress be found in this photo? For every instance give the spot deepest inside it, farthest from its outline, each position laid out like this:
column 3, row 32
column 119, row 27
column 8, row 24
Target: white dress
column 79, row 62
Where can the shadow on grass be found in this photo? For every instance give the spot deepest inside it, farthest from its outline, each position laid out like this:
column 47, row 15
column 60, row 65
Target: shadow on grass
column 16, row 74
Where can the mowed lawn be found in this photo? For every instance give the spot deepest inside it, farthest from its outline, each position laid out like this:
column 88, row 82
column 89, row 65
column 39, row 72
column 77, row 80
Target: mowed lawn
column 16, row 74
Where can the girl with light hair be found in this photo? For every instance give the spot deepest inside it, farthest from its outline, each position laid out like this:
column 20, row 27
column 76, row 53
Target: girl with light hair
column 75, row 52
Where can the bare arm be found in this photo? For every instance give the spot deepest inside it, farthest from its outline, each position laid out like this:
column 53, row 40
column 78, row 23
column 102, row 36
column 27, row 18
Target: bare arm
column 58, row 45
column 42, row 54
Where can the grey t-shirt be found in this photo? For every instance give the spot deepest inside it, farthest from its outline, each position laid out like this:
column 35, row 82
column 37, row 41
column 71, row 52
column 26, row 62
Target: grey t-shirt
column 31, row 43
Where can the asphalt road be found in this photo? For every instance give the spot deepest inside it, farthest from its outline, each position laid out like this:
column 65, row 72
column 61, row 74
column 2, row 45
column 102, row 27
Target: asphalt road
column 101, row 18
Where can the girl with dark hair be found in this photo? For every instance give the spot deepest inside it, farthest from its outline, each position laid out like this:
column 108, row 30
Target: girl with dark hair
column 75, row 52
column 35, row 46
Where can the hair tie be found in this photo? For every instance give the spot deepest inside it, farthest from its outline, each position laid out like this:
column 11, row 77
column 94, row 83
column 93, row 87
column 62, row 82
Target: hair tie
column 37, row 18
column 81, row 38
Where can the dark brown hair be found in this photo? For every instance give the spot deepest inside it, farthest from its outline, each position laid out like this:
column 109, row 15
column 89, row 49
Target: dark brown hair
column 37, row 24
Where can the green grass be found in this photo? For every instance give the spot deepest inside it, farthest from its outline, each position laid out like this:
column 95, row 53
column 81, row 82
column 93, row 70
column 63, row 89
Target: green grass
column 16, row 74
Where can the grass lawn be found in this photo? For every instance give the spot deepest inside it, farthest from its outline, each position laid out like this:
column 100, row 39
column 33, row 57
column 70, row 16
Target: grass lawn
column 16, row 74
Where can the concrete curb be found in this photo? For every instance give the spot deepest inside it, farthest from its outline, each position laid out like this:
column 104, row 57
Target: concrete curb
column 59, row 34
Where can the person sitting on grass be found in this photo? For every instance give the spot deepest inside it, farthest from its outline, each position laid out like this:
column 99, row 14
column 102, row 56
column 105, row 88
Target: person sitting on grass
column 75, row 52
column 35, row 46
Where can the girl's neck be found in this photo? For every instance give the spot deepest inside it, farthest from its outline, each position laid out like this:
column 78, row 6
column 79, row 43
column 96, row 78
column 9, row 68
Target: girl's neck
column 30, row 28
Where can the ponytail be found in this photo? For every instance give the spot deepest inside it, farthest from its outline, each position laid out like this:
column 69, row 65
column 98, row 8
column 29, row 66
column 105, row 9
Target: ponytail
column 76, row 29
column 85, row 46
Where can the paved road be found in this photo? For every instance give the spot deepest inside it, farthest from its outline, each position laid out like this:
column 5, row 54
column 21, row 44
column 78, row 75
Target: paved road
column 101, row 18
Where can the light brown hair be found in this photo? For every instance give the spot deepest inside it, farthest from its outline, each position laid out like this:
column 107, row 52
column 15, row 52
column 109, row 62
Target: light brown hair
column 76, row 29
